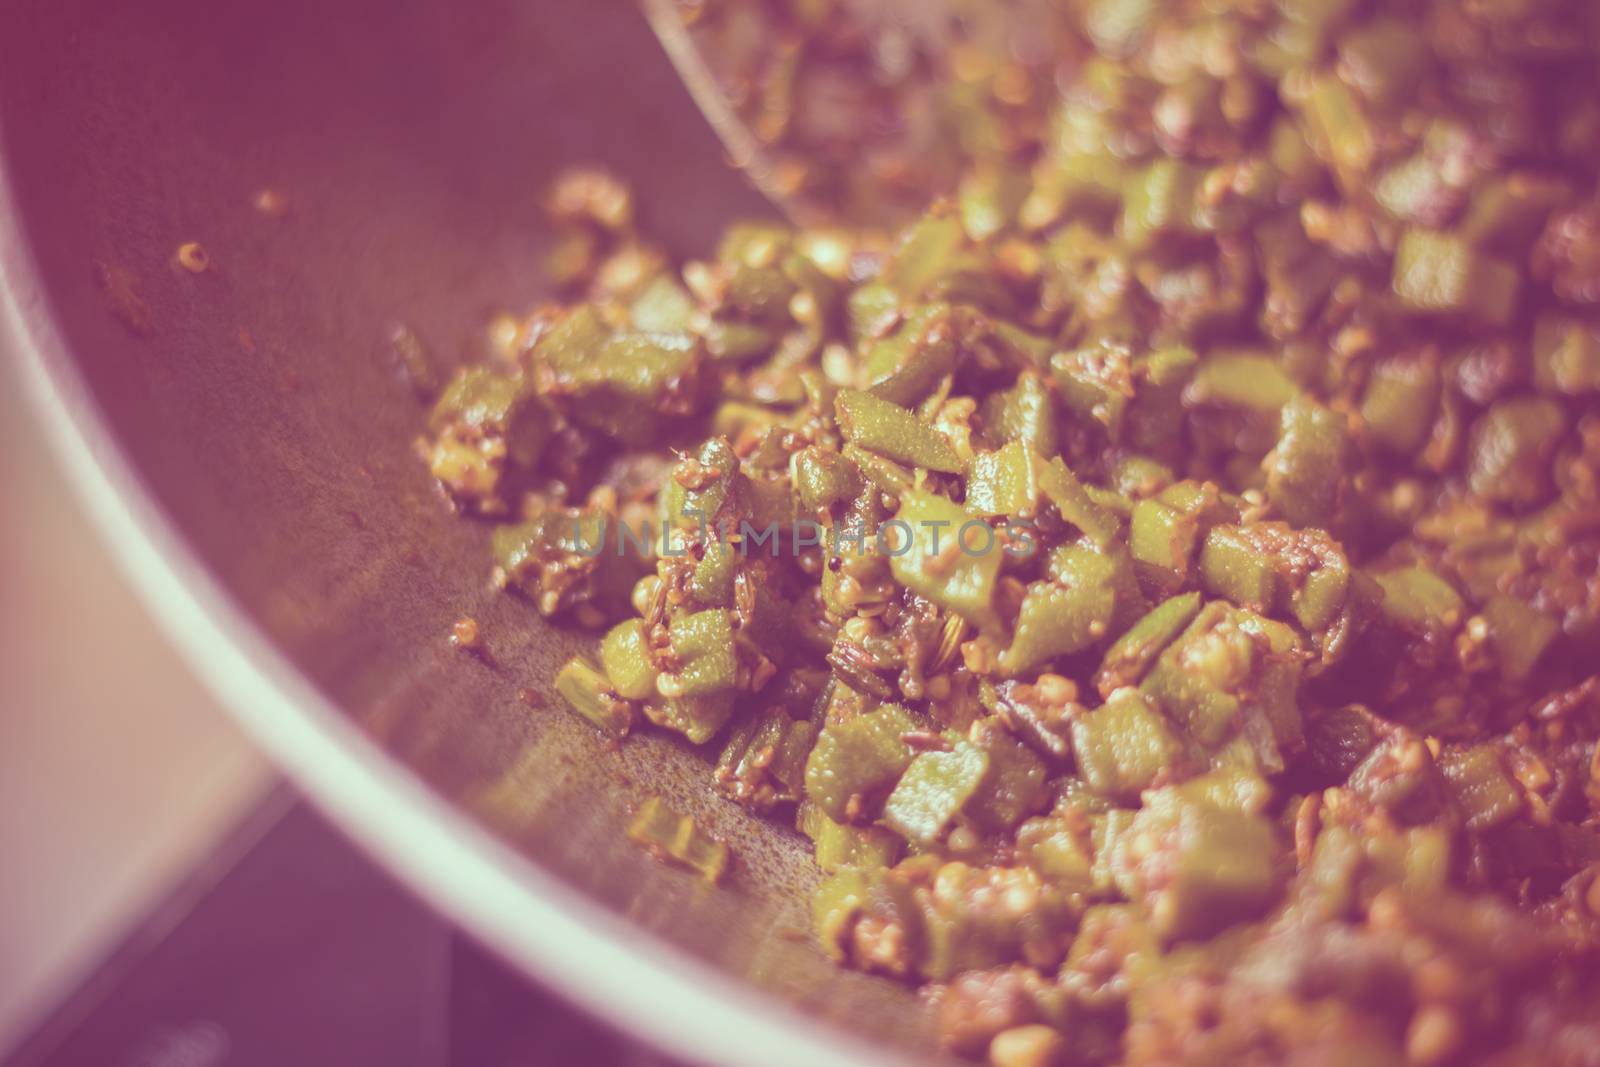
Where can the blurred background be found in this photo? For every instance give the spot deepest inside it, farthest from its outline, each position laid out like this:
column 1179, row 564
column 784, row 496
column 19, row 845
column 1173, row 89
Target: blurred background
column 117, row 772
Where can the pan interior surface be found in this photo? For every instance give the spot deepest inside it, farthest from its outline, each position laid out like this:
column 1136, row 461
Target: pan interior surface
column 260, row 407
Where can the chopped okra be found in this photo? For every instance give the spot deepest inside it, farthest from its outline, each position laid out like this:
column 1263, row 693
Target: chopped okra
column 676, row 838
column 1163, row 580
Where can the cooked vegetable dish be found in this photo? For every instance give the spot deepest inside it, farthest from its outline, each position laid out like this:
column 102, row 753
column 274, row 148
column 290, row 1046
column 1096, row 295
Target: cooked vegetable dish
column 1161, row 581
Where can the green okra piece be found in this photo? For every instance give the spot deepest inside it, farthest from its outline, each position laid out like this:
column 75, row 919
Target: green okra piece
column 962, row 933
column 1095, row 384
column 1073, row 500
column 823, row 478
column 697, row 717
column 1078, row 565
column 763, row 762
column 1442, row 273
column 702, row 644
column 863, row 758
column 1112, row 501
column 1307, row 468
column 662, row 306
column 1024, row 414
column 482, row 398
column 519, row 548
column 934, row 557
column 868, row 569
column 1401, row 397
column 1015, row 783
column 933, row 791
column 1520, row 634
column 1220, row 867
column 553, row 559
column 769, row 498
column 492, row 404
column 880, row 472
column 618, row 384
column 712, row 580
column 1419, row 601
column 676, row 838
column 928, row 251
column 790, row 742
column 871, row 310
column 1107, row 831
column 1004, row 482
column 716, row 491
column 906, row 366
column 1270, row 724
column 1073, row 611
column 574, row 341
column 1125, row 746
column 1197, row 679
column 1236, row 788
column 840, row 845
column 1126, row 661
column 1235, row 566
column 1061, row 855
column 1566, row 355
column 1323, row 593
column 1513, row 444
column 1246, row 381
column 1483, row 790
column 629, row 663
column 759, row 294
column 879, row 426
column 1338, row 128
column 1163, row 540
column 1153, row 420
column 1160, row 201
column 836, row 904
column 731, row 341
column 588, row 692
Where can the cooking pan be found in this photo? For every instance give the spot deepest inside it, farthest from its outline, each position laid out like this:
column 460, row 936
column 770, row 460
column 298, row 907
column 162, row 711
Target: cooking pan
column 244, row 435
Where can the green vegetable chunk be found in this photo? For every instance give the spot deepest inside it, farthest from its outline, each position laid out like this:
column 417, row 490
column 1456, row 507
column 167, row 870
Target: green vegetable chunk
column 857, row 761
column 703, row 644
column 1125, row 746
column 1004, row 482
column 629, row 664
column 1212, row 867
column 950, row 556
column 839, row 845
column 589, row 693
column 1478, row 782
column 1126, row 662
column 1068, row 614
column 890, row 430
column 933, row 791
column 676, row 838
column 1439, row 273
